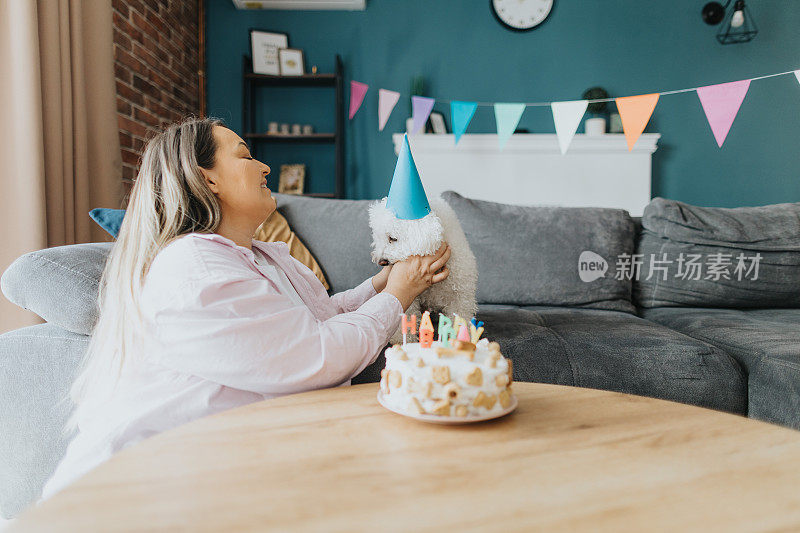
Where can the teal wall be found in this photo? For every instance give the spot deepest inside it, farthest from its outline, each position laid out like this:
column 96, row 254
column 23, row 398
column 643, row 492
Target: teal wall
column 627, row 46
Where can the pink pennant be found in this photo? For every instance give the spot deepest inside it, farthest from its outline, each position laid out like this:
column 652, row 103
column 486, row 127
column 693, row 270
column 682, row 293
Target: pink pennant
column 357, row 92
column 386, row 102
column 721, row 104
column 421, row 107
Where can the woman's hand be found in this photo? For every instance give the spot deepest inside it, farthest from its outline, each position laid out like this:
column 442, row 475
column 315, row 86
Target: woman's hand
column 408, row 278
column 379, row 280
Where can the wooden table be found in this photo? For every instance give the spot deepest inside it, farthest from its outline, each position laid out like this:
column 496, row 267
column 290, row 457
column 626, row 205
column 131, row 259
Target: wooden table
column 335, row 460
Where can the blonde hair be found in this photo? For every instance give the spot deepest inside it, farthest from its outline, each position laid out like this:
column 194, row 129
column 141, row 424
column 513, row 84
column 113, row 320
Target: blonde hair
column 170, row 198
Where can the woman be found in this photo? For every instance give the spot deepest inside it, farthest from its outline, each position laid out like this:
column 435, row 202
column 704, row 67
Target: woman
column 197, row 317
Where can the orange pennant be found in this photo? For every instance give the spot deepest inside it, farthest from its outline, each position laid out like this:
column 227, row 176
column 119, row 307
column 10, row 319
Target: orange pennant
column 635, row 112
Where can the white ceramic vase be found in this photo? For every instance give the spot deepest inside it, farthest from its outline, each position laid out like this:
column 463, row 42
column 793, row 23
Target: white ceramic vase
column 595, row 126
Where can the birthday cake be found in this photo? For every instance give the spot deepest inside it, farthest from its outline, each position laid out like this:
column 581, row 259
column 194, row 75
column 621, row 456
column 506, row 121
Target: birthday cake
column 458, row 376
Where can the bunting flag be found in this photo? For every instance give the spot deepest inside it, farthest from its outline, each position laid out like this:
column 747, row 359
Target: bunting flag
column 357, row 92
column 386, row 102
column 461, row 114
column 507, row 117
column 567, row 116
column 421, row 108
column 635, row 112
column 721, row 103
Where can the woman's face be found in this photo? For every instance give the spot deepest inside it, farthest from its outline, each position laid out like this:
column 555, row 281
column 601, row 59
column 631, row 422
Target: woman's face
column 238, row 180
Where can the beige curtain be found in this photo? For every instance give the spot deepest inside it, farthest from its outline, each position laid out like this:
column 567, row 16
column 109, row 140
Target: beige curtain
column 59, row 144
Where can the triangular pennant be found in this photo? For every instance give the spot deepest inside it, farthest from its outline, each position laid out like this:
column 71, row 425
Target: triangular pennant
column 507, row 117
column 721, row 104
column 797, row 75
column 357, row 92
column 635, row 112
column 567, row 116
column 386, row 102
column 461, row 114
column 421, row 107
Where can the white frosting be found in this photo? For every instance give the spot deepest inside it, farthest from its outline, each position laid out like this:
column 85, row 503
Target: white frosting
column 415, row 379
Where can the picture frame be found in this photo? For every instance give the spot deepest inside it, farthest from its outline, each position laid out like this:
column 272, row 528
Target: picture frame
column 438, row 125
column 292, row 179
column 264, row 46
column 291, row 62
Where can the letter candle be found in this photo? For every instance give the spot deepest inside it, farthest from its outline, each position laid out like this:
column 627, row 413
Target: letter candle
column 475, row 329
column 408, row 326
column 425, row 330
column 458, row 322
column 446, row 331
column 425, row 321
column 425, row 338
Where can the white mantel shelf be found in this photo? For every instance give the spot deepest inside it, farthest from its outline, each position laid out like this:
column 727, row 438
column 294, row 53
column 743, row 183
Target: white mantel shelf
column 596, row 171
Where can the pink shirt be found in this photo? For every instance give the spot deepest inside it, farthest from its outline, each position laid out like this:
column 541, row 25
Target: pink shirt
column 225, row 331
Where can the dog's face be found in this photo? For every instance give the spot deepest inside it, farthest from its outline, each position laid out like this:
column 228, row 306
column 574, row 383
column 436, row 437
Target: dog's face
column 394, row 239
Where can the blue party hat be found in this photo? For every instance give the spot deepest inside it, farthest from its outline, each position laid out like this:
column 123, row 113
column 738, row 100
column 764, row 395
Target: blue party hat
column 406, row 195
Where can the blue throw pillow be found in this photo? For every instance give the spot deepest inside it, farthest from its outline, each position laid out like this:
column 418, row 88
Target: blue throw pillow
column 108, row 219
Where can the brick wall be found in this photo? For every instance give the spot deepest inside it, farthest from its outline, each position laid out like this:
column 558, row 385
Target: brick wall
column 155, row 62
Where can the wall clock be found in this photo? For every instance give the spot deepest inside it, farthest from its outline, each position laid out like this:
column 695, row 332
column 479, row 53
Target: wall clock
column 521, row 15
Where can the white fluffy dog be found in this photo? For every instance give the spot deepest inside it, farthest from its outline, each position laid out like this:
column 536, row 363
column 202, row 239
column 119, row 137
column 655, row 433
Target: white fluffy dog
column 395, row 239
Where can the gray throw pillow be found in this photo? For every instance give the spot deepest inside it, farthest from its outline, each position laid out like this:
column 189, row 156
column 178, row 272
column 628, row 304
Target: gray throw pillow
column 743, row 257
column 337, row 234
column 60, row 284
column 531, row 255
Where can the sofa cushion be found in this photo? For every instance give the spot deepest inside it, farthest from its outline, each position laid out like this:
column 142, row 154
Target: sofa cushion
column 610, row 350
column 616, row 351
column 276, row 229
column 60, row 284
column 37, row 365
column 336, row 232
column 775, row 390
column 530, row 255
column 766, row 342
column 743, row 257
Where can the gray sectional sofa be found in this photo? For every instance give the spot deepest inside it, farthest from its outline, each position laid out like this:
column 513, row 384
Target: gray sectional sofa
column 588, row 297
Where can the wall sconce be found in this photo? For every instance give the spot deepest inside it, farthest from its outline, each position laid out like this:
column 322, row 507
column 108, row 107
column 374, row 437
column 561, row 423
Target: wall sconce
column 739, row 26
